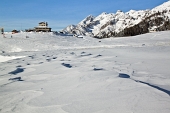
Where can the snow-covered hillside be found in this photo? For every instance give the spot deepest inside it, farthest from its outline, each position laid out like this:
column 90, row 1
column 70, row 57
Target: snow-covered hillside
column 48, row 73
column 124, row 24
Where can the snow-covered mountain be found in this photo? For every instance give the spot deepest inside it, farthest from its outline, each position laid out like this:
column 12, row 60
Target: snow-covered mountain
column 124, row 24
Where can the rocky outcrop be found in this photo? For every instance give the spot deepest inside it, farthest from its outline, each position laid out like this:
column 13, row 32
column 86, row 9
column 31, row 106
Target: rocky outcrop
column 155, row 22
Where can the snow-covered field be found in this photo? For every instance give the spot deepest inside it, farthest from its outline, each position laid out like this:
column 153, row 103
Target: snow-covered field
column 46, row 73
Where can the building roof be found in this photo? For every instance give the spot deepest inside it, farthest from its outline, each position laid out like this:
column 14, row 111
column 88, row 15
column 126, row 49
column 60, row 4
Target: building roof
column 42, row 22
column 41, row 27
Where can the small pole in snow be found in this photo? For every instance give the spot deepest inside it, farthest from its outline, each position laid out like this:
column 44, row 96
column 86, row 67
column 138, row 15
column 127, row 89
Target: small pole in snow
column 2, row 32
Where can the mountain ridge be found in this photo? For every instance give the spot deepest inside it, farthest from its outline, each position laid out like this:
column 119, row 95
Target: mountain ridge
column 121, row 24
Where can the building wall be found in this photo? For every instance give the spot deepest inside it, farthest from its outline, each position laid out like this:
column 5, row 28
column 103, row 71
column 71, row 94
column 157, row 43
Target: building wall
column 43, row 24
column 43, row 29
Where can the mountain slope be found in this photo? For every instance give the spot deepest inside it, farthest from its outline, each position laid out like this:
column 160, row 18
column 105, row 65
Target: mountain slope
column 124, row 24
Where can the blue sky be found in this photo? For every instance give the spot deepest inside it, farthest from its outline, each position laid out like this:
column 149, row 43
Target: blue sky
column 24, row 14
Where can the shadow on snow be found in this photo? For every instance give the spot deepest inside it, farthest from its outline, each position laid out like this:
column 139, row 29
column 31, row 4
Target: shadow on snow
column 122, row 75
column 15, row 72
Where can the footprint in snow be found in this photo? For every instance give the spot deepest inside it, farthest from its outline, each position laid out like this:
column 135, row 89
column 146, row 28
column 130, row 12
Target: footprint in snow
column 16, row 79
column 48, row 60
column 98, row 69
column 86, row 55
column 122, row 75
column 98, row 56
column 18, row 70
column 67, row 65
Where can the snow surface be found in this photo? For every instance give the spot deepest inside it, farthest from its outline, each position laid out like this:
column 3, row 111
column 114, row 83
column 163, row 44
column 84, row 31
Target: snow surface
column 6, row 58
column 164, row 6
column 65, row 74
